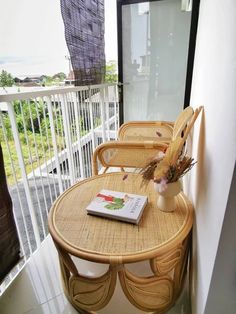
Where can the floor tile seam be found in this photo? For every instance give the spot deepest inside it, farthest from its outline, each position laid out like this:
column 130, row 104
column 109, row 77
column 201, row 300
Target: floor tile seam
column 43, row 303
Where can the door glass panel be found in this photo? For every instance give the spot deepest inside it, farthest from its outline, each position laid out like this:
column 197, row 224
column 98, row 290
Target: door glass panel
column 155, row 49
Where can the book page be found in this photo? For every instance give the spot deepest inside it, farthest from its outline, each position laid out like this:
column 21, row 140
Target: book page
column 118, row 204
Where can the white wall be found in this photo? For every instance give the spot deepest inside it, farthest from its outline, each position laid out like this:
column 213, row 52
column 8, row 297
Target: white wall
column 221, row 296
column 214, row 140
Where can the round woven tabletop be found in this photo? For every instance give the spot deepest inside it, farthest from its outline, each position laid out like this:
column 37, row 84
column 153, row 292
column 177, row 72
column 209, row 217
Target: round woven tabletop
column 104, row 240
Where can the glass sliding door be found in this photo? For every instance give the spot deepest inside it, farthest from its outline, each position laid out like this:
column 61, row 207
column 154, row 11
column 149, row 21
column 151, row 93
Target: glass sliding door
column 155, row 41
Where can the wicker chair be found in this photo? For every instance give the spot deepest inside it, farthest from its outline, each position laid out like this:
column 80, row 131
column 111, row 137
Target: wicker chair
column 140, row 141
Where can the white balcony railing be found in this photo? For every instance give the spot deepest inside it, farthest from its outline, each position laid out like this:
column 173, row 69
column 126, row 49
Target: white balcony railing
column 48, row 138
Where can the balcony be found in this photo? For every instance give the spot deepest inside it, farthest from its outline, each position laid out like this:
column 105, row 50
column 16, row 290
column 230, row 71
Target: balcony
column 48, row 138
column 33, row 287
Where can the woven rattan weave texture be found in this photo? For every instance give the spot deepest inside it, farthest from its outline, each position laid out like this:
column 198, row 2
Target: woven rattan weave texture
column 98, row 238
column 162, row 238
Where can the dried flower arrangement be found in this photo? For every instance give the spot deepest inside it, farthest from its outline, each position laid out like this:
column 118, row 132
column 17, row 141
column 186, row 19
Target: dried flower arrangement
column 169, row 167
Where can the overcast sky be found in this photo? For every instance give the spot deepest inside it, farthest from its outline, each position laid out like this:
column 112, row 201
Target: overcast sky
column 32, row 38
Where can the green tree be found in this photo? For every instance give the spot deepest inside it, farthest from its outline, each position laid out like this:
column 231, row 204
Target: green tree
column 48, row 81
column 59, row 76
column 6, row 79
column 111, row 72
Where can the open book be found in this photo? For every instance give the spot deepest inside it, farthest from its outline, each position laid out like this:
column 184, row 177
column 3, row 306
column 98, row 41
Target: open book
column 118, row 205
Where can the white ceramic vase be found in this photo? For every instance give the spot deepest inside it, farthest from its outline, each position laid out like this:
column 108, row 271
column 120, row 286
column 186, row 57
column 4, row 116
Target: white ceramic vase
column 166, row 200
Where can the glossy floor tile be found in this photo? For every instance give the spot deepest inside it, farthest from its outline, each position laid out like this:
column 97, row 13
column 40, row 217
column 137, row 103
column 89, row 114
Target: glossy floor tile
column 38, row 289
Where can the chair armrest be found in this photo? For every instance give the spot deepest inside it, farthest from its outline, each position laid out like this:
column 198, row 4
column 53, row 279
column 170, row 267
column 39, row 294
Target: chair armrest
column 126, row 154
column 146, row 130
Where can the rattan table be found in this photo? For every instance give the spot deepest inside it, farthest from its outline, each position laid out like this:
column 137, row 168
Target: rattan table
column 162, row 238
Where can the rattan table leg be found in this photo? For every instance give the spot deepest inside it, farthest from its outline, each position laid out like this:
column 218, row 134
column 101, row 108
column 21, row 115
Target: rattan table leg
column 155, row 294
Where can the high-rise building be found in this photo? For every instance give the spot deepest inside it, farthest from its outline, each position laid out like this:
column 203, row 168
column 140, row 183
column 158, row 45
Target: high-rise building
column 84, row 33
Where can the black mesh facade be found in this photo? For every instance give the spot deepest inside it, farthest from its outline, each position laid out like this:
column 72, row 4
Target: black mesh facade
column 84, row 33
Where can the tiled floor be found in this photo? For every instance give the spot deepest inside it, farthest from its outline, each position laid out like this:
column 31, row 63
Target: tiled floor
column 38, row 290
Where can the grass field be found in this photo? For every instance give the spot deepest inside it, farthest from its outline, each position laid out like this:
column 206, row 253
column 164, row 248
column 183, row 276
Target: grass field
column 36, row 150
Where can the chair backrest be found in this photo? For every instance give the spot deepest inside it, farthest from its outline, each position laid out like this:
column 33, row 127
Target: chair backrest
column 125, row 154
column 149, row 130
column 135, row 154
column 191, row 122
column 181, row 122
column 145, row 130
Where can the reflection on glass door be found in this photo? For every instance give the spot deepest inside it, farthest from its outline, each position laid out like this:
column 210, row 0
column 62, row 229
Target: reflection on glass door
column 155, row 39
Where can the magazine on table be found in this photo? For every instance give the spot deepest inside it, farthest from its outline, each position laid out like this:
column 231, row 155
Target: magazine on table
column 118, row 205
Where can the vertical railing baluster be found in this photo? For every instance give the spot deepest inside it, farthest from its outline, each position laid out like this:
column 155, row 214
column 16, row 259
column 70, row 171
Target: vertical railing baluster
column 107, row 113
column 43, row 148
column 87, row 130
column 115, row 110
column 62, row 135
column 54, row 142
column 37, row 155
column 103, row 114
column 23, row 172
column 91, row 118
column 78, row 140
column 73, row 133
column 118, row 108
column 49, row 148
column 68, row 139
column 31, row 162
